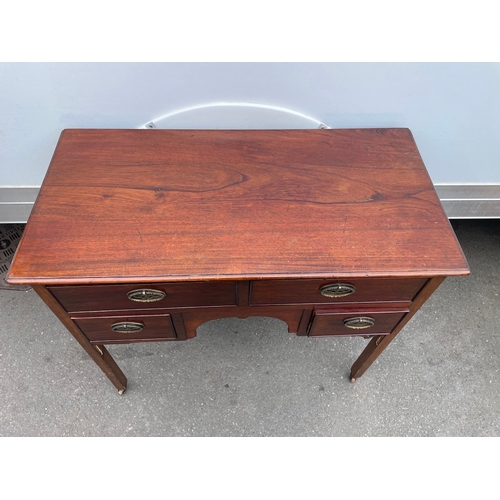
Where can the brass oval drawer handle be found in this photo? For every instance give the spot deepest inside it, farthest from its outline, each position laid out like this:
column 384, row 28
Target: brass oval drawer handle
column 359, row 322
column 146, row 295
column 127, row 327
column 337, row 290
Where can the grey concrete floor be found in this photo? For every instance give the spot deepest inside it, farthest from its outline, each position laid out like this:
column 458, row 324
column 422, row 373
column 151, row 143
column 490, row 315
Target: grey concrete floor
column 440, row 377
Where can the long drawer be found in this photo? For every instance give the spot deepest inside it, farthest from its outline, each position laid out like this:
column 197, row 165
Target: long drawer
column 275, row 292
column 145, row 296
column 355, row 322
column 131, row 328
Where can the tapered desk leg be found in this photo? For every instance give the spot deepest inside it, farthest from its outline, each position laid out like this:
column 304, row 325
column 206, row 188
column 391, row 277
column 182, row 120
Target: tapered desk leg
column 380, row 342
column 370, row 354
column 98, row 353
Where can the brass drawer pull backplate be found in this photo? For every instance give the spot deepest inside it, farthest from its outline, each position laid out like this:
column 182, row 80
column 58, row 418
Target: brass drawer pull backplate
column 359, row 322
column 146, row 295
column 127, row 327
column 337, row 290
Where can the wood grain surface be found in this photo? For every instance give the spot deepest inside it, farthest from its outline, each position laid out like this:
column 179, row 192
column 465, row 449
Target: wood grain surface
column 169, row 205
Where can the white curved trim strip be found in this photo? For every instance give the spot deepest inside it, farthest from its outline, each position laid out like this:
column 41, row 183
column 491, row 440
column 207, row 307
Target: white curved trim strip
column 151, row 123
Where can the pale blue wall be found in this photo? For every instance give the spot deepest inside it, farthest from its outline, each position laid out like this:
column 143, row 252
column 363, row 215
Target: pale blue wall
column 453, row 110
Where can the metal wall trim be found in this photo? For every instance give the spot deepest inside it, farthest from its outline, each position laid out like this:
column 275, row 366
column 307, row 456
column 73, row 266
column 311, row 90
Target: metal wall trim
column 470, row 201
column 16, row 203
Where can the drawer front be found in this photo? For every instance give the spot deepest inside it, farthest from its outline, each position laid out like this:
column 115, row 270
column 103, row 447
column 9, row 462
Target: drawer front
column 355, row 322
column 145, row 296
column 122, row 329
column 334, row 291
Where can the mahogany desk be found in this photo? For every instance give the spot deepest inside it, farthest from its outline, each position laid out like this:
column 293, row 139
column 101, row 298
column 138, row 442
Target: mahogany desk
column 143, row 235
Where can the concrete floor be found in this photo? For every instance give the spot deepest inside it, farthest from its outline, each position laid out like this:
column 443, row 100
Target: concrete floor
column 440, row 377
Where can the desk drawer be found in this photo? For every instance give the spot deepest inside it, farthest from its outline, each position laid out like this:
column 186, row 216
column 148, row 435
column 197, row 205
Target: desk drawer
column 355, row 322
column 274, row 292
column 145, row 296
column 123, row 329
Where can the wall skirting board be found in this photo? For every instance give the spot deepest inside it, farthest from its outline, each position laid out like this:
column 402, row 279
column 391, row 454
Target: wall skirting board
column 16, row 203
column 460, row 201
column 470, row 201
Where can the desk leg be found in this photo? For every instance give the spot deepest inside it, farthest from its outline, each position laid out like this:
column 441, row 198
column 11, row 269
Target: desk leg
column 98, row 353
column 380, row 342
